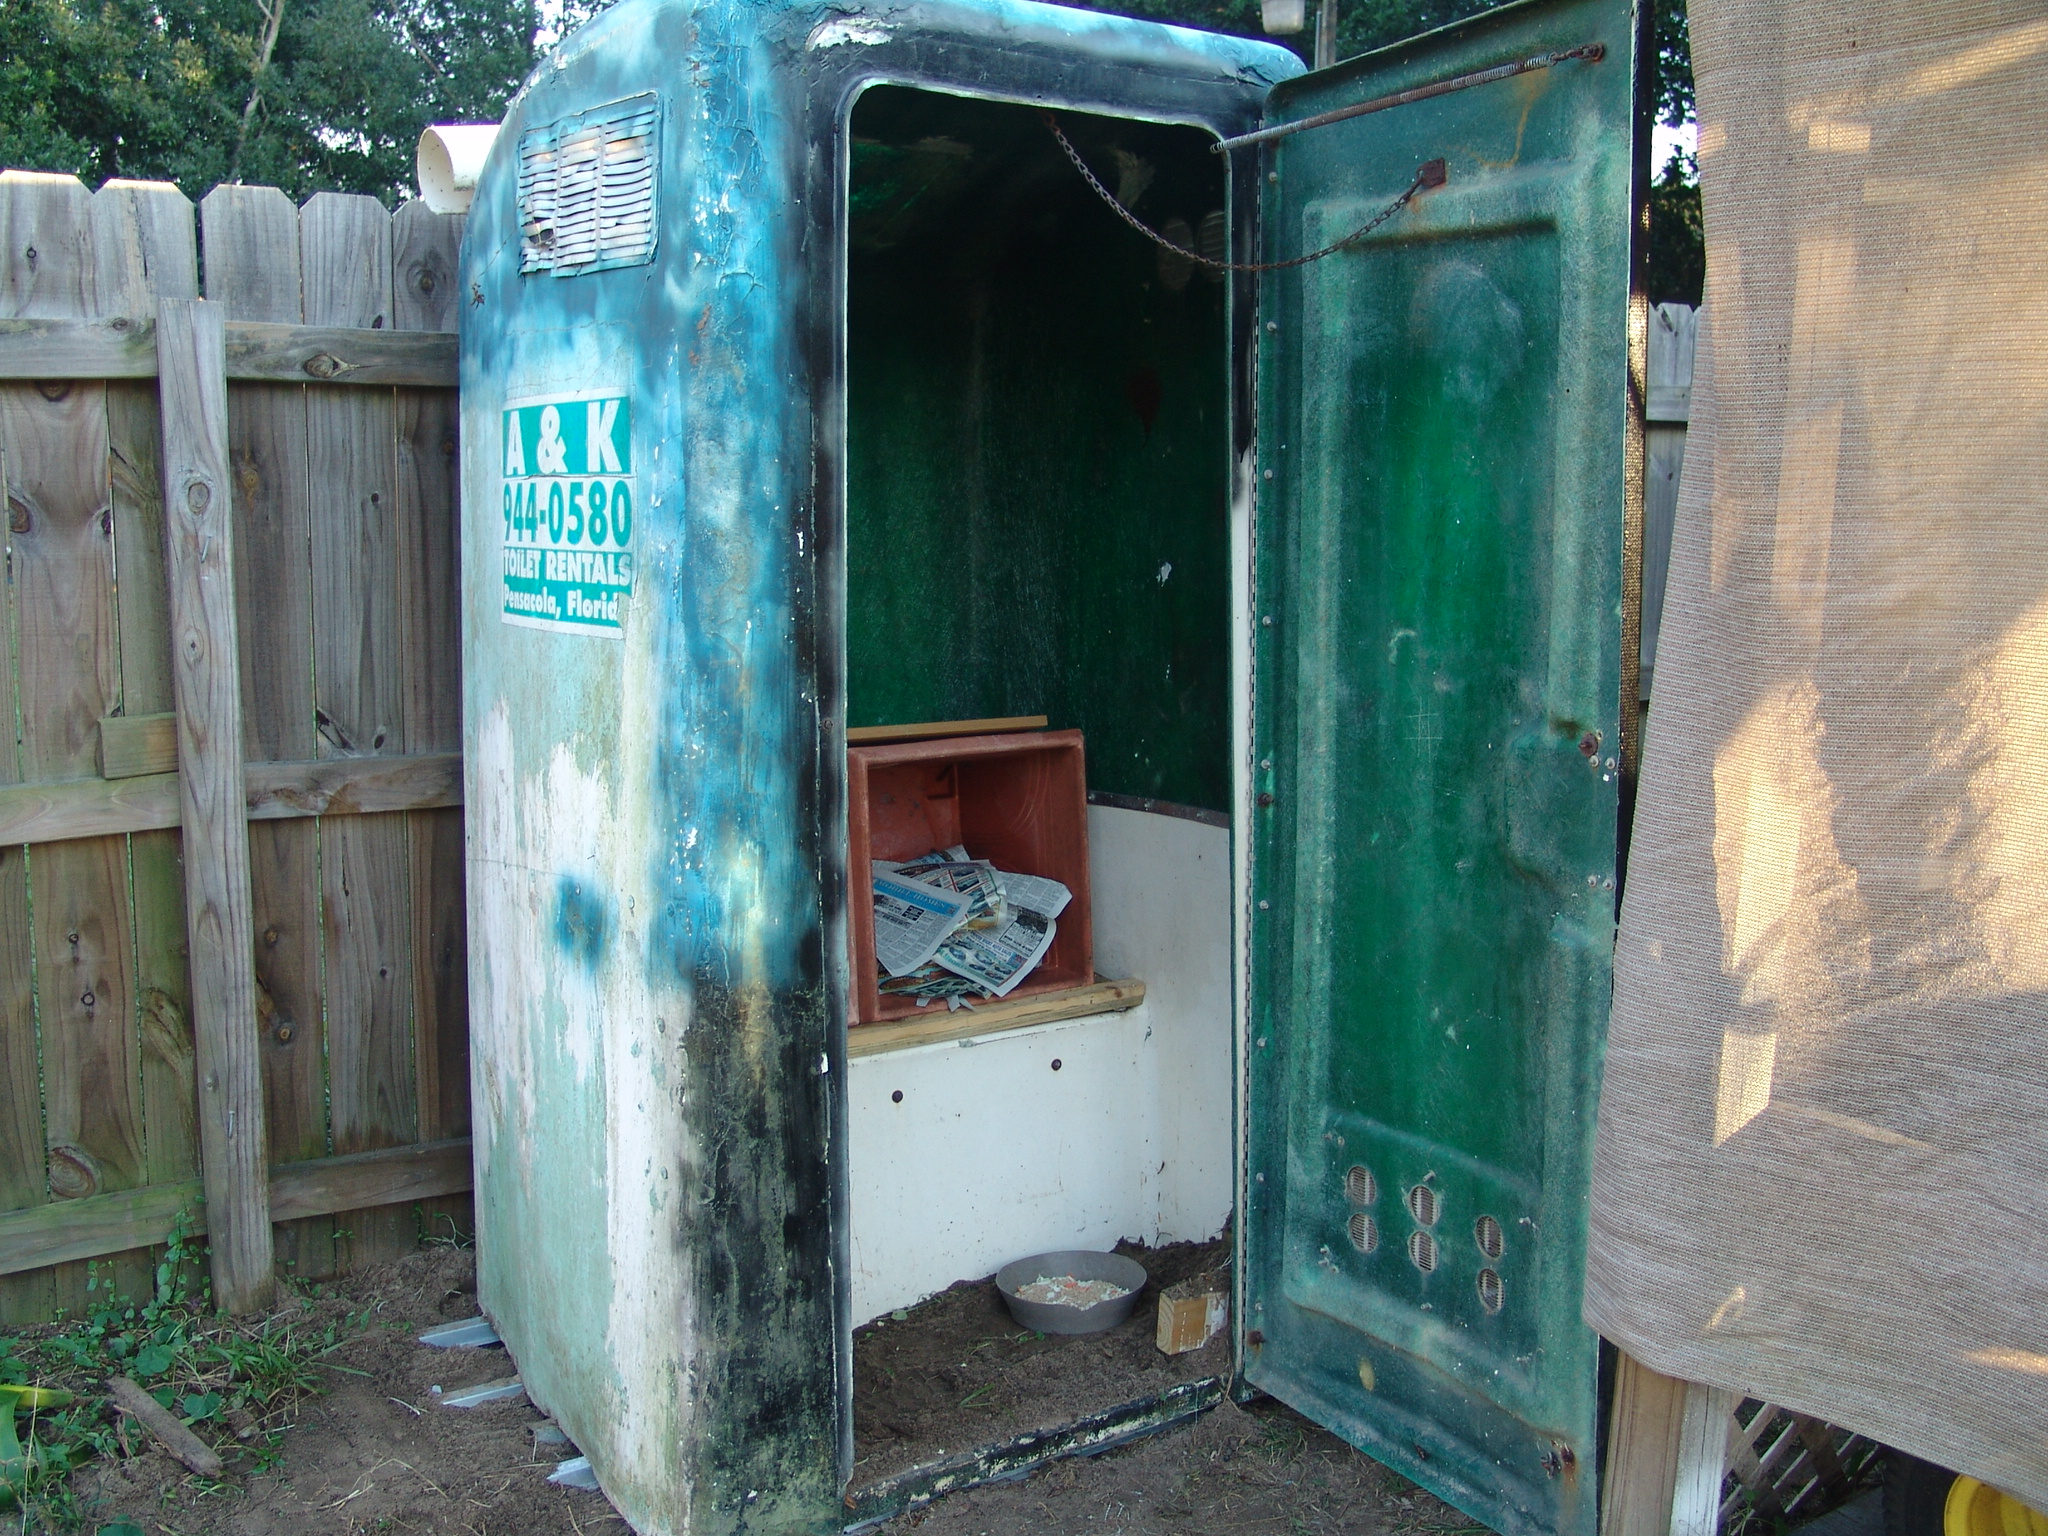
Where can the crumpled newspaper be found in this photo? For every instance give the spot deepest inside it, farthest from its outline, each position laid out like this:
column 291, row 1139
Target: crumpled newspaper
column 1005, row 931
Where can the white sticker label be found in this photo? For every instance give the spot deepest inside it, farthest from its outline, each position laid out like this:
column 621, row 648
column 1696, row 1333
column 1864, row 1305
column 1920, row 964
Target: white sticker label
column 569, row 504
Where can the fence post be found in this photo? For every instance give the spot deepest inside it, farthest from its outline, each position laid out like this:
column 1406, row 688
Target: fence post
column 1667, row 1443
column 199, row 558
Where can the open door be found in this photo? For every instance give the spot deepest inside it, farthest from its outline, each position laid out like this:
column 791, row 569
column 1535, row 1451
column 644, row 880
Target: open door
column 1444, row 497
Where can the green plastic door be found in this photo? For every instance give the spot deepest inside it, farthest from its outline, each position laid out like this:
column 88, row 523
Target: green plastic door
column 1444, row 446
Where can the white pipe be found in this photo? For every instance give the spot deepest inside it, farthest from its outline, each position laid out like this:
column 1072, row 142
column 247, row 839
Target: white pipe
column 451, row 157
column 1283, row 16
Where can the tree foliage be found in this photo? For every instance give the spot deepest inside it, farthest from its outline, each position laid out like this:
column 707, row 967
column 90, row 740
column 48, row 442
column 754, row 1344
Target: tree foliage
column 1678, row 235
column 160, row 89
column 1672, row 38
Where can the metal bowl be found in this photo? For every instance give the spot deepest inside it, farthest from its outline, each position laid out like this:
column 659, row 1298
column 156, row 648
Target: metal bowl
column 1050, row 1317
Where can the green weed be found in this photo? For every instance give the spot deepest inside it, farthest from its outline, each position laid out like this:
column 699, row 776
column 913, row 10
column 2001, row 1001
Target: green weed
column 439, row 1230
column 232, row 1381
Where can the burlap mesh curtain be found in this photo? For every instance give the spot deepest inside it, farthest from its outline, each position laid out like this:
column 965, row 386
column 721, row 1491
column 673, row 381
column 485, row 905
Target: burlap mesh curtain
column 1822, row 1169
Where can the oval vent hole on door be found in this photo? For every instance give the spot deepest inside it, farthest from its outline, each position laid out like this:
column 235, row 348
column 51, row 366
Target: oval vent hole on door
column 1487, row 1234
column 1422, row 1205
column 1422, row 1251
column 1489, row 1290
column 1364, row 1231
column 1360, row 1187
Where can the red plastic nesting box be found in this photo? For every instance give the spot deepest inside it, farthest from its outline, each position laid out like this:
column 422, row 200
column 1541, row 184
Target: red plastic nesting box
column 1020, row 801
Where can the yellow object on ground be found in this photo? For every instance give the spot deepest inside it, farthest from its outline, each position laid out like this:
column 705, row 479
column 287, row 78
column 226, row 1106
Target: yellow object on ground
column 1978, row 1509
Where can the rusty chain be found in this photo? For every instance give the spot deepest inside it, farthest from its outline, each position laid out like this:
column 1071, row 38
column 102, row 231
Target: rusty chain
column 1430, row 174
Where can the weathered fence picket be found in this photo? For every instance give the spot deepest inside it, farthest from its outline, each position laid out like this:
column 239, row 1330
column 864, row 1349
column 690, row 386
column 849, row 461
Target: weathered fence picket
column 199, row 553
column 359, row 704
column 425, row 295
column 341, row 465
column 1672, row 329
column 251, row 242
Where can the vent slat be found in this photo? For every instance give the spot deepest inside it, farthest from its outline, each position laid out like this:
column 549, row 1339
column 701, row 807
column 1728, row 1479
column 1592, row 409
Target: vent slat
column 587, row 190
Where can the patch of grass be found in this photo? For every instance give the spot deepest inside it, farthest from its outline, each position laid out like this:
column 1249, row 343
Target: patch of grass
column 233, row 1381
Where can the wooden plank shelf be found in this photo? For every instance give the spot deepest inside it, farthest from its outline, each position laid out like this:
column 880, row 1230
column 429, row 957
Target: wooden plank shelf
column 66, row 1230
column 995, row 1018
column 335, row 786
column 257, row 350
column 932, row 730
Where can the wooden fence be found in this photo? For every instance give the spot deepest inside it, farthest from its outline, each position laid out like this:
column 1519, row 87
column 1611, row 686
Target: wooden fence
column 291, row 645
column 1668, row 410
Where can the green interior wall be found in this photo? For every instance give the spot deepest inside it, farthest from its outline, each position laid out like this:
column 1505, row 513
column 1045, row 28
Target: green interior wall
column 1020, row 538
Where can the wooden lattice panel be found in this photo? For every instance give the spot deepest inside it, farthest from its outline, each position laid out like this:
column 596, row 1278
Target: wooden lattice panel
column 1786, row 1468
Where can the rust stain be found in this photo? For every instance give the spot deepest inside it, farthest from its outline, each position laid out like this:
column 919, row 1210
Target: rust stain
column 1530, row 88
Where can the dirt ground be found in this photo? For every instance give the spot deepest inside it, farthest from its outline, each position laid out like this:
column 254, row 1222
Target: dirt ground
column 377, row 1453
column 959, row 1374
column 1262, row 1471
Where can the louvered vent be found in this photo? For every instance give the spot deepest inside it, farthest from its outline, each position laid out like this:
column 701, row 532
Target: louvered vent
column 587, row 189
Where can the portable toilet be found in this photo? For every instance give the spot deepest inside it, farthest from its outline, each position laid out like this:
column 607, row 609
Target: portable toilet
column 808, row 385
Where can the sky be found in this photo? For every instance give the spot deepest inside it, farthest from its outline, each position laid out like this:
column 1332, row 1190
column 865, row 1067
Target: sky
column 1663, row 140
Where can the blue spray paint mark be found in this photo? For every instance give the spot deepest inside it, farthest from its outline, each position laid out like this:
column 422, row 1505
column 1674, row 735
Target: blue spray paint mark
column 583, row 922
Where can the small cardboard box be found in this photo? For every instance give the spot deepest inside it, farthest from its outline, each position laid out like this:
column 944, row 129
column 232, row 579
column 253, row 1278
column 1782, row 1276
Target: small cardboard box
column 1193, row 1312
column 1019, row 800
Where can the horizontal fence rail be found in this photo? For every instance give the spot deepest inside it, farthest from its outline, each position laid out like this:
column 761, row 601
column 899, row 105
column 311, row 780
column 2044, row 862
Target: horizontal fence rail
column 94, row 1226
column 122, row 348
column 50, row 813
